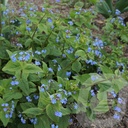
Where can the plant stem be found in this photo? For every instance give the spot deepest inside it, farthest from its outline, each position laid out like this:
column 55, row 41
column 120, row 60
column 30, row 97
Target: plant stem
column 37, row 26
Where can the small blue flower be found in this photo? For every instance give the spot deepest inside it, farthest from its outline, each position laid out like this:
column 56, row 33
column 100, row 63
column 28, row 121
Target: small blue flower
column 31, row 9
column 50, row 69
column 33, row 120
column 43, row 9
column 23, row 121
column 59, row 68
column 117, row 12
column 5, row 109
column 37, row 52
column 92, row 93
column 60, row 85
column 64, row 101
column 42, row 89
column 59, row 114
column 75, row 106
column 13, row 58
column 36, row 97
column 28, row 21
column 44, row 51
column 117, row 109
column 37, row 63
column 116, row 116
column 58, row 95
column 49, row 20
column 28, row 29
column 28, row 98
column 14, row 83
column 6, row 115
column 113, row 94
column 3, row 22
column 68, row 74
column 70, row 23
column 53, row 101
column 57, row 1
column 120, row 101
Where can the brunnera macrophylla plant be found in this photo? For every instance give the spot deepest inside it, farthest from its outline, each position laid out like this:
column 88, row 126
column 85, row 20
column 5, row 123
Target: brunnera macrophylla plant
column 53, row 64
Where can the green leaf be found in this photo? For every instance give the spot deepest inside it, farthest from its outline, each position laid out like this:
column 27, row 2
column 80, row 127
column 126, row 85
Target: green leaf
column 81, row 53
column 24, row 86
column 120, row 5
column 82, row 78
column 102, row 107
column 43, row 122
column 31, row 68
column 50, row 110
column 44, row 100
column 65, row 111
column 4, row 120
column 64, row 122
column 8, row 96
column 26, row 105
column 28, row 42
column 105, row 69
column 102, row 96
column 79, row 4
column 45, row 68
column 76, row 66
column 12, row 67
column 104, row 86
column 34, row 111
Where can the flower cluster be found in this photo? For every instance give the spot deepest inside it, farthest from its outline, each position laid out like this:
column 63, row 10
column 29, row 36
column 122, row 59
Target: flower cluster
column 8, row 109
column 21, row 56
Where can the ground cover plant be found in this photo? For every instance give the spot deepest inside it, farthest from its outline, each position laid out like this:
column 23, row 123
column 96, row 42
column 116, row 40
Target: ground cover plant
column 54, row 67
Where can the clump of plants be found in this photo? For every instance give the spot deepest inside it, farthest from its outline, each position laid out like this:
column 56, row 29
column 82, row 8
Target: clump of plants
column 52, row 67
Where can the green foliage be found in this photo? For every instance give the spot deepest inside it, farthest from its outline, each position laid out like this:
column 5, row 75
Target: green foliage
column 52, row 67
column 107, row 9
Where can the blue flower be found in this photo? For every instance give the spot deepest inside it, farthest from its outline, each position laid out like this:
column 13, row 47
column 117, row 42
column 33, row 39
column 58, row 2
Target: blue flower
column 33, row 120
column 53, row 101
column 64, row 101
column 23, row 120
column 59, row 68
column 57, row 0
column 28, row 98
column 75, row 106
column 113, row 94
column 60, row 85
column 54, row 126
column 28, row 21
column 117, row 109
column 36, row 97
column 120, row 101
column 49, row 20
column 42, row 89
column 28, row 29
column 6, row 115
column 44, row 51
column 116, row 116
column 70, row 23
column 13, row 58
column 14, row 83
column 59, row 114
column 3, row 22
column 68, row 74
column 50, row 69
column 117, row 12
column 38, row 52
column 89, row 49
column 37, row 63
column 92, row 93
column 43, row 9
